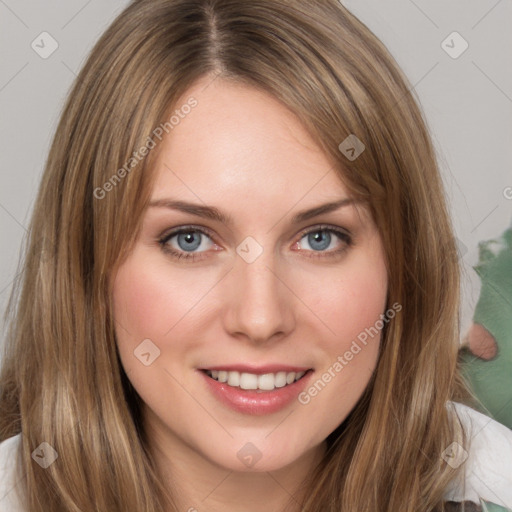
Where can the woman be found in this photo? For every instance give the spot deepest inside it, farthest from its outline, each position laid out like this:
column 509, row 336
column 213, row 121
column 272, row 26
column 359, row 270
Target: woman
column 241, row 286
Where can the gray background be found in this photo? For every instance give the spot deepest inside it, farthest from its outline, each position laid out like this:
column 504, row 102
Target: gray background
column 467, row 102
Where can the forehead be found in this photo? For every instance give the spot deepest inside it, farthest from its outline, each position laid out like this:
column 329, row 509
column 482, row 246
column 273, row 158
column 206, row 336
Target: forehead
column 240, row 141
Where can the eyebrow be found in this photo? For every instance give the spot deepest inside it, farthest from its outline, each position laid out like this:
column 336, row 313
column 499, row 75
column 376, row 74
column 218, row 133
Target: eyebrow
column 210, row 212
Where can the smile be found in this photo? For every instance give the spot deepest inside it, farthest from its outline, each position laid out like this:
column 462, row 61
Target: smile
column 256, row 391
column 265, row 382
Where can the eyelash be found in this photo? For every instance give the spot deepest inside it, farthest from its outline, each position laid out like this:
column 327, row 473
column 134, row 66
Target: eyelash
column 194, row 256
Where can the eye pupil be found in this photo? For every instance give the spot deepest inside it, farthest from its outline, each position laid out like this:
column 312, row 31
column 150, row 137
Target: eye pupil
column 319, row 240
column 188, row 239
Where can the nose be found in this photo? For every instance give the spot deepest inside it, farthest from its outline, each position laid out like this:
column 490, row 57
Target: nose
column 260, row 307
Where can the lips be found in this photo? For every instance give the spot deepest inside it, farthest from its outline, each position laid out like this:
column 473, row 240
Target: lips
column 272, row 394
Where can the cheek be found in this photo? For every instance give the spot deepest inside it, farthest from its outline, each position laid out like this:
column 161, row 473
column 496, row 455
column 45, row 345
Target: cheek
column 351, row 303
column 148, row 303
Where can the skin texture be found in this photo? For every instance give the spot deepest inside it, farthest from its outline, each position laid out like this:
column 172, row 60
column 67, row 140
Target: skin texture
column 243, row 152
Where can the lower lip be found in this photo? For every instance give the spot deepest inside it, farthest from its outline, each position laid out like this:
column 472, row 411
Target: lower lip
column 257, row 403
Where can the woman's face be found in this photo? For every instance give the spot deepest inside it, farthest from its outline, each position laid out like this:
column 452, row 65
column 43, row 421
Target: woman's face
column 262, row 285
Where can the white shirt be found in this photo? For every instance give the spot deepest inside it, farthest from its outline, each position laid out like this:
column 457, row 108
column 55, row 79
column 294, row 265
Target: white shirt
column 487, row 470
column 487, row 466
column 9, row 501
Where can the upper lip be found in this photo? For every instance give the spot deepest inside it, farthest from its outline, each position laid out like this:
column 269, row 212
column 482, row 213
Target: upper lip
column 258, row 370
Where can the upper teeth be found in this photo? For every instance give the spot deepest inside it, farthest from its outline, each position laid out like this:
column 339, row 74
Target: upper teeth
column 266, row 382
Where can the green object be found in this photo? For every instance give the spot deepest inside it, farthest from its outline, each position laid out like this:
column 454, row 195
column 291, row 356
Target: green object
column 487, row 506
column 491, row 380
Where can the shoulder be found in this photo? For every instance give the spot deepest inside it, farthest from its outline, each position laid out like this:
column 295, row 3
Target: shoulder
column 486, row 459
column 9, row 501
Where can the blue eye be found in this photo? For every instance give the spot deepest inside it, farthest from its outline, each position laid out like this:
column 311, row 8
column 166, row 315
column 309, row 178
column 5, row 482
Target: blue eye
column 192, row 243
column 189, row 241
column 184, row 242
column 319, row 243
column 325, row 237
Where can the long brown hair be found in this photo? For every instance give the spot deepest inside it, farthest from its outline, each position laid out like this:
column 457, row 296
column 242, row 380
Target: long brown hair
column 62, row 381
